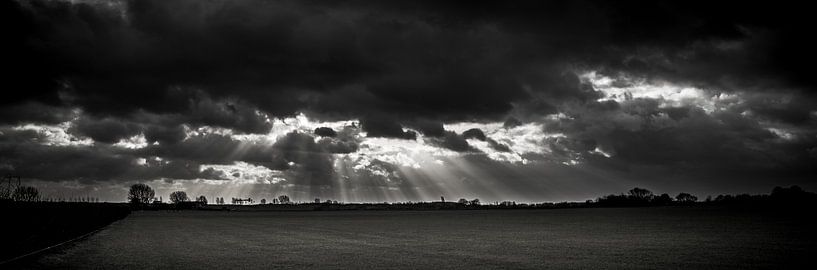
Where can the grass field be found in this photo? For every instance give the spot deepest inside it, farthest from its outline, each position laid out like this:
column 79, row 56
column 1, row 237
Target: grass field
column 658, row 237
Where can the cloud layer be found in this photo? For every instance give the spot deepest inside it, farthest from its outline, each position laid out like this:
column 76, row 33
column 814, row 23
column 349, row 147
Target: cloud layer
column 340, row 97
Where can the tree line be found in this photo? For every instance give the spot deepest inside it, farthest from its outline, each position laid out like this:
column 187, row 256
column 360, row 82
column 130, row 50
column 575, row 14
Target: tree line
column 32, row 194
column 636, row 197
column 142, row 194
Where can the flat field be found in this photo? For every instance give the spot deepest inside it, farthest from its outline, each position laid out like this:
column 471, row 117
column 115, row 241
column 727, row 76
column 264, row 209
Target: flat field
column 649, row 238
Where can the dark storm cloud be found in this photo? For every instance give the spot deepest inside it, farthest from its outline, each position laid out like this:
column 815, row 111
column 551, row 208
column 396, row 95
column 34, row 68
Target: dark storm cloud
column 63, row 163
column 23, row 152
column 325, row 132
column 474, row 133
column 34, row 112
column 304, row 160
column 33, row 160
column 118, row 69
column 168, row 128
column 280, row 56
column 164, row 134
column 431, row 58
column 237, row 115
column 453, row 141
column 428, row 127
column 104, row 130
column 211, row 148
column 681, row 139
column 376, row 126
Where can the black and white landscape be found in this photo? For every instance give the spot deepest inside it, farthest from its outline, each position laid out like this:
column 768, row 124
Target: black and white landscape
column 190, row 134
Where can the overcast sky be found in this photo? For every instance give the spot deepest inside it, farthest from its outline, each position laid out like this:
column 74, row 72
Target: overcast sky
column 409, row 100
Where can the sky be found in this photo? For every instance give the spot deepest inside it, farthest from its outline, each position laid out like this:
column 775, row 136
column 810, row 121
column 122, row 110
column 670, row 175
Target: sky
column 384, row 101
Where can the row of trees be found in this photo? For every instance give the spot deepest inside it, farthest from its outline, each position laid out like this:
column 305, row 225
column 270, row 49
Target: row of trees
column 467, row 202
column 24, row 194
column 642, row 197
column 32, row 194
column 144, row 194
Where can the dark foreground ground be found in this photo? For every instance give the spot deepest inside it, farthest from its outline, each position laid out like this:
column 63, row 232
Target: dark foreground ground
column 28, row 227
column 657, row 237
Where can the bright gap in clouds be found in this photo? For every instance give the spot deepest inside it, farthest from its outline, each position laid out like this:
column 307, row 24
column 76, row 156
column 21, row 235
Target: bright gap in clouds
column 387, row 168
column 669, row 95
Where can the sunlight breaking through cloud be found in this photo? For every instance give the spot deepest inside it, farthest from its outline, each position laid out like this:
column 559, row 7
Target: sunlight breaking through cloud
column 56, row 135
column 668, row 94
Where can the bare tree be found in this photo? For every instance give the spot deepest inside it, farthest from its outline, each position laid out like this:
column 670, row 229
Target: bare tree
column 26, row 194
column 140, row 194
column 179, row 197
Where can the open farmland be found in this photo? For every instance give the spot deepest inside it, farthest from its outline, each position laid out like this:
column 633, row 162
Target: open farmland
column 660, row 237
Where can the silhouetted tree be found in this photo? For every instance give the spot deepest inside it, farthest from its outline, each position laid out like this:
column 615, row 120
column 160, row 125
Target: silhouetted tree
column 475, row 202
column 178, row 197
column 25, row 194
column 283, row 199
column 274, row 200
column 201, row 199
column 663, row 199
column 462, row 201
column 640, row 194
column 140, row 194
column 263, row 201
column 507, row 203
column 686, row 198
column 793, row 195
column 317, row 200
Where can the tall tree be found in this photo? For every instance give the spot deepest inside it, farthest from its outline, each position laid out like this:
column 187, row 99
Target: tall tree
column 283, row 199
column 179, row 197
column 140, row 194
column 201, row 199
